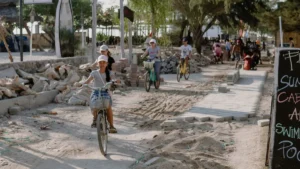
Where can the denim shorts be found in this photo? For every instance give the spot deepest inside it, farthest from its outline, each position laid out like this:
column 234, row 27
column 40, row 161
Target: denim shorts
column 96, row 94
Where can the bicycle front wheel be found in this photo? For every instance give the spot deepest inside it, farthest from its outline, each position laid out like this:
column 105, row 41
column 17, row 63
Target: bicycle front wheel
column 102, row 133
column 178, row 74
column 147, row 82
column 187, row 72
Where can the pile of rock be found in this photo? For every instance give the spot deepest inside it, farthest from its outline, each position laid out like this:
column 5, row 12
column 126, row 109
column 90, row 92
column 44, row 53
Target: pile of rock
column 169, row 64
column 17, row 82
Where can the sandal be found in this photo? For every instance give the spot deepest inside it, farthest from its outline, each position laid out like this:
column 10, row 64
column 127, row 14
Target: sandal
column 113, row 130
column 94, row 124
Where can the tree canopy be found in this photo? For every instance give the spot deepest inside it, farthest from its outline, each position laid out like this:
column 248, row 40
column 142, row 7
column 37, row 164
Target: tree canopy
column 155, row 12
column 206, row 12
column 48, row 12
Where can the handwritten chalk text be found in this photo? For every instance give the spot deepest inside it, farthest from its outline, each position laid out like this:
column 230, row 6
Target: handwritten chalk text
column 289, row 81
column 292, row 97
column 290, row 132
column 288, row 151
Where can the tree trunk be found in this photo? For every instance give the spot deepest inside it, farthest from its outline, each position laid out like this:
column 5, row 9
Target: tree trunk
column 111, row 30
column 184, row 23
column 153, row 17
column 27, row 29
column 198, row 38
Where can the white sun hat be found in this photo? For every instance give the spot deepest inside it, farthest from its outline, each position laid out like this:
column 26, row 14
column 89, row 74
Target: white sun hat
column 152, row 41
column 102, row 58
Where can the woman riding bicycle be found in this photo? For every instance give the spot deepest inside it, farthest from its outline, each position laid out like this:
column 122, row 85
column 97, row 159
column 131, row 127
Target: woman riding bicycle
column 186, row 51
column 154, row 55
column 100, row 79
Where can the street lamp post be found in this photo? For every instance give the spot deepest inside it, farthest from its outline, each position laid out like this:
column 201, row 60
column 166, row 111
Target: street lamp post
column 94, row 26
column 21, row 30
column 32, row 15
column 122, row 28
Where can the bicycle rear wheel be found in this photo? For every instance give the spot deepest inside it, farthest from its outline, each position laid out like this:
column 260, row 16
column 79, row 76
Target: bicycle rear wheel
column 157, row 84
column 102, row 132
column 179, row 74
column 187, row 72
column 147, row 82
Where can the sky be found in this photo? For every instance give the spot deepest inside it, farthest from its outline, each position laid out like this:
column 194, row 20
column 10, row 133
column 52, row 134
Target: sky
column 109, row 3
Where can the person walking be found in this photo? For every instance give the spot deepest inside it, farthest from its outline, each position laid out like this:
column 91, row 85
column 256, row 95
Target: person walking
column 228, row 49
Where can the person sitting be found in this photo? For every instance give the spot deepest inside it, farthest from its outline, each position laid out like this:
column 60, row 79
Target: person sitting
column 218, row 53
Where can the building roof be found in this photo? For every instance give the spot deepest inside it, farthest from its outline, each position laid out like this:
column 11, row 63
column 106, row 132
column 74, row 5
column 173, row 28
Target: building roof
column 9, row 13
column 8, row 3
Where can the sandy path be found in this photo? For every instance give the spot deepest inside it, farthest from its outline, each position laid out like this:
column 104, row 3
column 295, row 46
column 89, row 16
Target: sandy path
column 251, row 140
column 70, row 143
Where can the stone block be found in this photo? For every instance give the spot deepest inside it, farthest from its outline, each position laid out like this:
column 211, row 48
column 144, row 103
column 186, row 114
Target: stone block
column 263, row 123
column 240, row 118
column 203, row 119
column 222, row 89
column 217, row 119
column 228, row 118
column 28, row 102
column 189, row 119
column 169, row 123
column 117, row 92
column 14, row 110
column 151, row 161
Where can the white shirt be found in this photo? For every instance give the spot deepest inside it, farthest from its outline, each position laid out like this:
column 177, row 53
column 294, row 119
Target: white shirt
column 185, row 51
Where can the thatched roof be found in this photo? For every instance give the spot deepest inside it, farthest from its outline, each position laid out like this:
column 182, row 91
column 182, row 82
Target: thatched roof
column 10, row 14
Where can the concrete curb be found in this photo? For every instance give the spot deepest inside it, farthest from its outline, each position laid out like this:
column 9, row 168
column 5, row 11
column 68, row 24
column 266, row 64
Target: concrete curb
column 261, row 89
column 28, row 102
column 233, row 77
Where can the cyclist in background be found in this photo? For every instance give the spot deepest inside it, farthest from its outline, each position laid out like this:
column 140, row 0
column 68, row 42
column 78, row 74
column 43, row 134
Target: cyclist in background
column 154, row 55
column 186, row 51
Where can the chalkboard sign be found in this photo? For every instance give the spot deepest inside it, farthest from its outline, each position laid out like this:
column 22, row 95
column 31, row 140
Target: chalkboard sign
column 285, row 126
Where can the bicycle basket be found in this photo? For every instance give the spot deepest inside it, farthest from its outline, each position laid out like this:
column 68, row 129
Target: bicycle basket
column 101, row 102
column 148, row 65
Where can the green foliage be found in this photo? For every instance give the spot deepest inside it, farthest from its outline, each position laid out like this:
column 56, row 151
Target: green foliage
column 164, row 40
column 289, row 12
column 206, row 12
column 47, row 14
column 108, row 17
column 102, row 37
column 155, row 12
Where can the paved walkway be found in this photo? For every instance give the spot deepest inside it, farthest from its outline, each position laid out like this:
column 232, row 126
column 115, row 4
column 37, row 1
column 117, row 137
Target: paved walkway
column 240, row 103
column 206, row 74
column 26, row 56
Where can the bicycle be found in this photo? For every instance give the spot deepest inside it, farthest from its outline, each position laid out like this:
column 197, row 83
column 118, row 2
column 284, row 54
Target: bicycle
column 102, row 123
column 183, row 70
column 150, row 76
